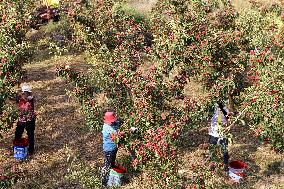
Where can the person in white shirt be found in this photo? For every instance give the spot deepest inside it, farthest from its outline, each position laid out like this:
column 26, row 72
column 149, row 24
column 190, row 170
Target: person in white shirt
column 217, row 136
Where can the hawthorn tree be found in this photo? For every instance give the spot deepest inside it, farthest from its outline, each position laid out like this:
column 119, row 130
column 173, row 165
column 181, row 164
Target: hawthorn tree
column 13, row 53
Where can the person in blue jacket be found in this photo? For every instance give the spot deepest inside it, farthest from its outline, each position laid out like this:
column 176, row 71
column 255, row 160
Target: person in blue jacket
column 110, row 128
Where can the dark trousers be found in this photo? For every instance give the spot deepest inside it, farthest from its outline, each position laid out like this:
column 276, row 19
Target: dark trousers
column 109, row 163
column 30, row 128
column 223, row 142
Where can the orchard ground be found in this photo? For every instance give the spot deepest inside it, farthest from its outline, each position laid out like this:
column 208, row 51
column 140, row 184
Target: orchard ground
column 69, row 156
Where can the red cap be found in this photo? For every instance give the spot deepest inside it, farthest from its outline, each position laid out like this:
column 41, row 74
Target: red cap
column 110, row 117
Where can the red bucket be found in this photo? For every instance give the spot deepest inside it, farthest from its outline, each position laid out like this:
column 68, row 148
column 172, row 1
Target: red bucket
column 23, row 142
column 237, row 170
column 119, row 168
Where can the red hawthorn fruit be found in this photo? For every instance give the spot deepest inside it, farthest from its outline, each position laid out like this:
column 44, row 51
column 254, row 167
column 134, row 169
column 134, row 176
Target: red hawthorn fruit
column 174, row 152
column 258, row 60
column 3, row 178
column 121, row 134
column 282, row 16
column 206, row 58
column 273, row 91
column 134, row 163
column 163, row 115
column 113, row 136
column 258, row 132
column 252, row 52
column 4, row 16
column 18, row 26
column 4, row 60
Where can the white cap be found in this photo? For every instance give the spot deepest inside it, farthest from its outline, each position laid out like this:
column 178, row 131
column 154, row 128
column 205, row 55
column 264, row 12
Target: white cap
column 26, row 88
column 133, row 128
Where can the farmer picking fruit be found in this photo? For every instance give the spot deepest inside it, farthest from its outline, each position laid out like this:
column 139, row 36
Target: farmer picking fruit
column 110, row 128
column 217, row 136
column 48, row 10
column 26, row 117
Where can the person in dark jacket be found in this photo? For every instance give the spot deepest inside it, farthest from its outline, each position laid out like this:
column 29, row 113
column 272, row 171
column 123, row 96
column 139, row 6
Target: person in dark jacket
column 26, row 116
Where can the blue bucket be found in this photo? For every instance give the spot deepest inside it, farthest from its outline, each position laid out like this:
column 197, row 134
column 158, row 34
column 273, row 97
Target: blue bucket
column 114, row 179
column 21, row 148
column 115, row 176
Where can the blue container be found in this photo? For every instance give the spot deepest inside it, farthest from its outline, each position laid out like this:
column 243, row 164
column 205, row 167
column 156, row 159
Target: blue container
column 114, row 179
column 115, row 176
column 20, row 153
column 21, row 149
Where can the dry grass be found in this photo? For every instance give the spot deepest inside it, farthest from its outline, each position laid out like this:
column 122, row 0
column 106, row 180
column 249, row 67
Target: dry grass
column 142, row 6
column 241, row 4
column 245, row 4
